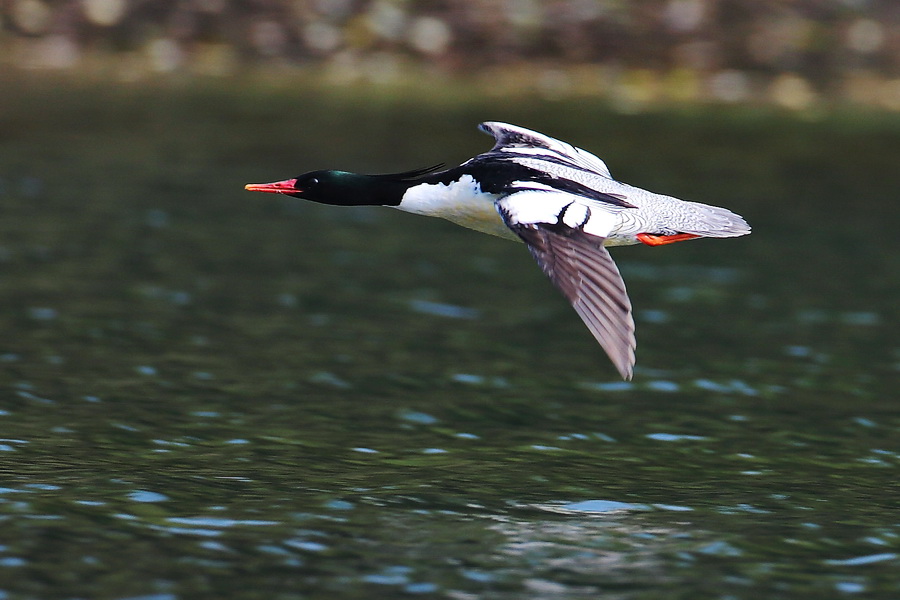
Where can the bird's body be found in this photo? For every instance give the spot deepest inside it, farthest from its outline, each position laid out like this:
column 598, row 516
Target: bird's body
column 558, row 199
column 460, row 201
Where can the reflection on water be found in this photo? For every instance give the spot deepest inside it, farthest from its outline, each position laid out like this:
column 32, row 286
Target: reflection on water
column 206, row 395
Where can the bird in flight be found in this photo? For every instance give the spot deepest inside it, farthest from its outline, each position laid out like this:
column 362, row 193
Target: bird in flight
column 558, row 199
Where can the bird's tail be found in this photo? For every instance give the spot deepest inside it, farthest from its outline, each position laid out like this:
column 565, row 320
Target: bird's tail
column 713, row 221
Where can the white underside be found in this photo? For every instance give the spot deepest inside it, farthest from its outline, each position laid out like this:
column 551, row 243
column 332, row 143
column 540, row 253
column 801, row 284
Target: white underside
column 461, row 202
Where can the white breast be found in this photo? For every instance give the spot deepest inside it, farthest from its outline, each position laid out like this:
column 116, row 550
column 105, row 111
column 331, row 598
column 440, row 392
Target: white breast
column 461, row 202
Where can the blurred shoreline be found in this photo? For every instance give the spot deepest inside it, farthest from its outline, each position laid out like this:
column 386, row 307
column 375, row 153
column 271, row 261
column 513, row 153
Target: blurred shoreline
column 625, row 90
column 799, row 56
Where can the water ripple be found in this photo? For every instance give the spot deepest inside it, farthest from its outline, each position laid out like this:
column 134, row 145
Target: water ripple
column 440, row 309
column 864, row 560
column 673, row 437
column 146, row 496
column 219, row 523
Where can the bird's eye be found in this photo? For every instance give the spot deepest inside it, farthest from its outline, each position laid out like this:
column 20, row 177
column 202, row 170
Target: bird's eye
column 313, row 181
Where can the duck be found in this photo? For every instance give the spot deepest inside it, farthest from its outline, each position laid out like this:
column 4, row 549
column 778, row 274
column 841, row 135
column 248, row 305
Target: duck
column 560, row 200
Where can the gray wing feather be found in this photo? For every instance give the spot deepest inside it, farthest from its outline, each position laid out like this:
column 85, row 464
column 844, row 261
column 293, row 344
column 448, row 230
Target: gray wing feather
column 583, row 270
column 511, row 137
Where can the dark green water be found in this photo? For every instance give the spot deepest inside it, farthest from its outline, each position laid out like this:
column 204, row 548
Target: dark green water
column 206, row 393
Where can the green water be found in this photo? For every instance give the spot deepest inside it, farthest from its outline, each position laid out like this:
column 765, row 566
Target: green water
column 206, row 393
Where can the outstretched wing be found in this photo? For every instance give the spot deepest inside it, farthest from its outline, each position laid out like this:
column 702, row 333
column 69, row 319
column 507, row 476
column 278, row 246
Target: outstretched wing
column 529, row 146
column 570, row 252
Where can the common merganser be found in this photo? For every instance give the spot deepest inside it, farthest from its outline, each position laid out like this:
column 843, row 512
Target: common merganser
column 558, row 199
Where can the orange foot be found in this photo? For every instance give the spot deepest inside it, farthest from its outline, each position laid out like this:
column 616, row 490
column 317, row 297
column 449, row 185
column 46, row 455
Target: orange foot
column 660, row 240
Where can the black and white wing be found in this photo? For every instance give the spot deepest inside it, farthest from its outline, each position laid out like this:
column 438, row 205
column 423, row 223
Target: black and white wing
column 567, row 168
column 578, row 264
column 563, row 203
column 531, row 148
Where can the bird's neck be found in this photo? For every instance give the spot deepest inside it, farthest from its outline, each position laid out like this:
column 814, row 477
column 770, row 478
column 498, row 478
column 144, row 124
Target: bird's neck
column 382, row 190
column 355, row 189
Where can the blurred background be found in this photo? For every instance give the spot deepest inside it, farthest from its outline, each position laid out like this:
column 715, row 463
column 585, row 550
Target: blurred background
column 793, row 53
column 208, row 393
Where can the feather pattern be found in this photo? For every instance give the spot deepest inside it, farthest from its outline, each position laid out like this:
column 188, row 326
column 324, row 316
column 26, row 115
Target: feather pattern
column 582, row 269
column 564, row 167
column 524, row 143
column 570, row 207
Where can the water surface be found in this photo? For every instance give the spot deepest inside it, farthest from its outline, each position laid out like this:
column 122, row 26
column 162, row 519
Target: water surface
column 209, row 393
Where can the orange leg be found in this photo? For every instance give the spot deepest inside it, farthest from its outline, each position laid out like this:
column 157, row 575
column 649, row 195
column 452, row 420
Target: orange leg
column 660, row 240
